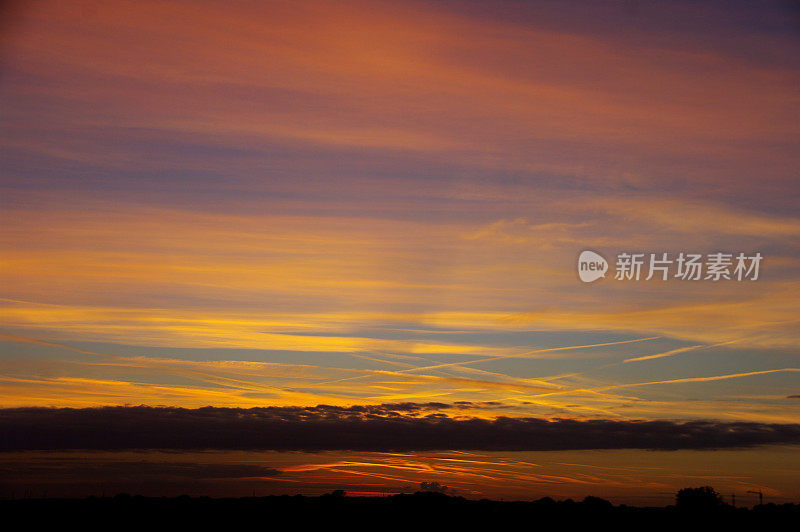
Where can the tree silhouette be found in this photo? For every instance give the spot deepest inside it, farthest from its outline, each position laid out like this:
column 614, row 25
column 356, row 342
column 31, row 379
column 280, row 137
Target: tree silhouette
column 433, row 487
column 597, row 503
column 702, row 498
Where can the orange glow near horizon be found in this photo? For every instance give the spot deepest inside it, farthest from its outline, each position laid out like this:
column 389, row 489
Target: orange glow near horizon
column 625, row 477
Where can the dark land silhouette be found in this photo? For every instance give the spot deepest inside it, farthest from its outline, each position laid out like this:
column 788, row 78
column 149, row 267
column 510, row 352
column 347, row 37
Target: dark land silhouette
column 693, row 506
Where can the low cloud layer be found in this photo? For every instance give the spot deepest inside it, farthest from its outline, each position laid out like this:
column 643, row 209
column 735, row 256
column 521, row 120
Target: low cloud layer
column 390, row 427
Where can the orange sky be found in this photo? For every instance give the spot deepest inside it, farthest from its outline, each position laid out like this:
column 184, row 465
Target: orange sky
column 367, row 202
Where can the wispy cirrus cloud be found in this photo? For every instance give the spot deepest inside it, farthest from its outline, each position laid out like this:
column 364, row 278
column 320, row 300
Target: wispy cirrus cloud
column 370, row 208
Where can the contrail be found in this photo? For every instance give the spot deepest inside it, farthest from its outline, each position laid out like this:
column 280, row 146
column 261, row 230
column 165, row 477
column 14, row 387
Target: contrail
column 702, row 379
column 162, row 364
column 550, row 349
column 676, row 351
column 518, row 355
column 61, row 346
column 664, row 354
column 672, row 381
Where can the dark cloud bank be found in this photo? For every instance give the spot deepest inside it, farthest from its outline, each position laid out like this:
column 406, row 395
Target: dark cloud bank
column 140, row 471
column 388, row 427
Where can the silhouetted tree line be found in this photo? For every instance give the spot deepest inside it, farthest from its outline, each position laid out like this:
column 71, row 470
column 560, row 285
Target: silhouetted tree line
column 431, row 505
column 704, row 498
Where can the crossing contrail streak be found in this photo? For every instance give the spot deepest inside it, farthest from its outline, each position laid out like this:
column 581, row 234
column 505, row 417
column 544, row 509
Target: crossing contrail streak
column 518, row 355
column 527, row 353
column 676, row 351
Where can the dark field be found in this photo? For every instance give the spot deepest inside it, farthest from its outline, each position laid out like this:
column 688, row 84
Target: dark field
column 409, row 510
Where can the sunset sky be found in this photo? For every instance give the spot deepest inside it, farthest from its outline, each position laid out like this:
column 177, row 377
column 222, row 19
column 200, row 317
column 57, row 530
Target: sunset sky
column 292, row 204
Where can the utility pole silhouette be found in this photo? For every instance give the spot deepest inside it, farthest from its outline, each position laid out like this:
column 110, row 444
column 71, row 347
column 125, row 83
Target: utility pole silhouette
column 733, row 500
column 760, row 496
